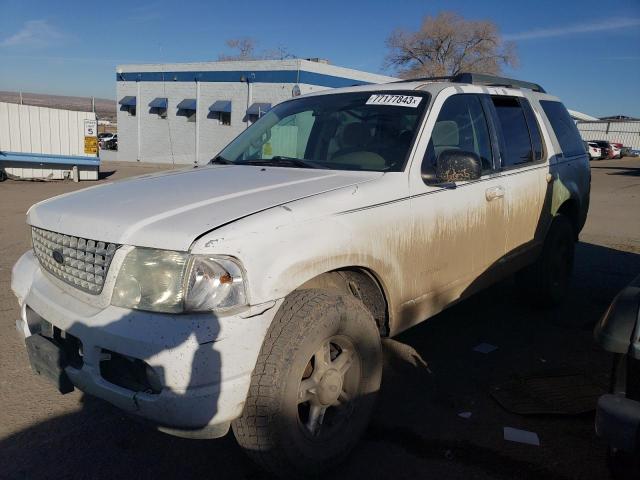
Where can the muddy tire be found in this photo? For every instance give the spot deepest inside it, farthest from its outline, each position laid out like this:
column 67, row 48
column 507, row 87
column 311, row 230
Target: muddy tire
column 314, row 386
column 545, row 283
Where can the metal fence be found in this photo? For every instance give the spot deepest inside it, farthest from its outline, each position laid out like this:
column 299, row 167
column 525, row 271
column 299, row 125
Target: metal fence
column 619, row 131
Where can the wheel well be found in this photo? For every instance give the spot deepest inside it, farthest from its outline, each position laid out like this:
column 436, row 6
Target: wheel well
column 570, row 210
column 362, row 284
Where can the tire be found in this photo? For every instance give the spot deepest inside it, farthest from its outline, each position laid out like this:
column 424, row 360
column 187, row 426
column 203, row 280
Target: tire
column 545, row 283
column 277, row 428
column 3, row 175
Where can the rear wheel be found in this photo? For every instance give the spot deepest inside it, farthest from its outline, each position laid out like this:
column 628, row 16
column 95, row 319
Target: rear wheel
column 546, row 281
column 314, row 385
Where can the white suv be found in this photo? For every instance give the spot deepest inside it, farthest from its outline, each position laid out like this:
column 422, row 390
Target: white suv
column 253, row 292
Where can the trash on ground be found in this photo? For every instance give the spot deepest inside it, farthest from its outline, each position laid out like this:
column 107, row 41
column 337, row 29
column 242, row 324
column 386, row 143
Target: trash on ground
column 484, row 348
column 465, row 414
column 521, row 436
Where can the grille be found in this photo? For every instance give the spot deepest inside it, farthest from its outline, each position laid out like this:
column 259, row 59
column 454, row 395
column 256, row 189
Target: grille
column 79, row 262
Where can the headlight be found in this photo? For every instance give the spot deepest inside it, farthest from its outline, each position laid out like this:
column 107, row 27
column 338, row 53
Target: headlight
column 214, row 284
column 175, row 282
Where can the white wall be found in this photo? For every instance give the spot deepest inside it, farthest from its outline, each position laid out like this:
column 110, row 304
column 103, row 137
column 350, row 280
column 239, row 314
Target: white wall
column 29, row 129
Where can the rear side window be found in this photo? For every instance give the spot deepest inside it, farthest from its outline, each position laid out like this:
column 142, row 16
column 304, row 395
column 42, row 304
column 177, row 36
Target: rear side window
column 513, row 125
column 534, row 130
column 461, row 125
column 564, row 128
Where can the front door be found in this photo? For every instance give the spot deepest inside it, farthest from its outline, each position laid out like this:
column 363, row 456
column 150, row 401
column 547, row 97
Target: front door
column 458, row 231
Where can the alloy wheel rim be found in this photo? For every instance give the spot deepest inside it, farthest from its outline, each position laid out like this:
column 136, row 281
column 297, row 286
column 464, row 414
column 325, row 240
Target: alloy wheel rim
column 328, row 387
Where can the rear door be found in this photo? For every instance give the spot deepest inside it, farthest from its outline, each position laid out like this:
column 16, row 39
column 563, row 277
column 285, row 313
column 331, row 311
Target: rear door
column 523, row 169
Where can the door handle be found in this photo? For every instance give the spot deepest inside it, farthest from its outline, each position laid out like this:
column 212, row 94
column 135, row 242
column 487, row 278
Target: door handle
column 493, row 193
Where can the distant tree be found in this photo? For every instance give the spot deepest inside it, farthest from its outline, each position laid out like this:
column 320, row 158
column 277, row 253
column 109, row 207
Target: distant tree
column 447, row 45
column 246, row 49
column 279, row 53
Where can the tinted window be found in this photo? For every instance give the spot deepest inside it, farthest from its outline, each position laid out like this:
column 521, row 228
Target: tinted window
column 516, row 147
column 534, row 129
column 564, row 128
column 461, row 125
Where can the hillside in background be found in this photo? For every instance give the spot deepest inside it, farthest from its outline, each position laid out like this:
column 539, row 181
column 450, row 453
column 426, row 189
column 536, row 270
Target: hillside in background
column 105, row 109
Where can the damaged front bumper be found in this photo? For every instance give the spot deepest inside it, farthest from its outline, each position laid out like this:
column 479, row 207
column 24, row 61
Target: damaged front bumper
column 188, row 374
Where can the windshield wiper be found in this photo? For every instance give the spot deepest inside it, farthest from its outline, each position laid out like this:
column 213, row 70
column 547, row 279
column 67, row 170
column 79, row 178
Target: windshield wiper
column 220, row 160
column 280, row 160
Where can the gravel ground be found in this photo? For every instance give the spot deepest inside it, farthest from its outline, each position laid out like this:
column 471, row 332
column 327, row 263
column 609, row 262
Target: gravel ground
column 431, row 375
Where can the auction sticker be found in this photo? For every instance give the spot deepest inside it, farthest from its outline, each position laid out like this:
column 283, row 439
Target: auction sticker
column 394, row 100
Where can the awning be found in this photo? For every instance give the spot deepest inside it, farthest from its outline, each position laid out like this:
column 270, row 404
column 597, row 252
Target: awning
column 128, row 101
column 158, row 102
column 258, row 109
column 187, row 104
column 221, row 106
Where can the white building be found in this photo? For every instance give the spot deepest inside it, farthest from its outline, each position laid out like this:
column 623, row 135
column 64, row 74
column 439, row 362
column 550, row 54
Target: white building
column 187, row 112
column 626, row 132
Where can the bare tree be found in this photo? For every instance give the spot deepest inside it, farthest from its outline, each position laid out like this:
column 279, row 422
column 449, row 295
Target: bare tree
column 447, row 45
column 279, row 53
column 245, row 49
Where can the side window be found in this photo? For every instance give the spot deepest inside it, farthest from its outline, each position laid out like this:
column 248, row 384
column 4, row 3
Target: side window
column 564, row 128
column 534, row 130
column 513, row 125
column 461, row 125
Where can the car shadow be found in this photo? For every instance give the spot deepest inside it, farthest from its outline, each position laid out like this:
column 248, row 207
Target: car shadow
column 432, row 373
column 627, row 171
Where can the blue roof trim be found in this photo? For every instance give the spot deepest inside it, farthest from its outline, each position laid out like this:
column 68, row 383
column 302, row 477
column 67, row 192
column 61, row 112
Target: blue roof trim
column 44, row 158
column 265, row 76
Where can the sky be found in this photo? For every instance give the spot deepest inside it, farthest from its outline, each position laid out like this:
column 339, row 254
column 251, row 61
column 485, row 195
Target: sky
column 587, row 52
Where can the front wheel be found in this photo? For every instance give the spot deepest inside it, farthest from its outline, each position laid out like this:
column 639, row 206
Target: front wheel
column 314, row 386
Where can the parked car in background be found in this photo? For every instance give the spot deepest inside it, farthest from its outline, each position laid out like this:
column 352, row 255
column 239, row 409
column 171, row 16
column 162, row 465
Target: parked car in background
column 625, row 152
column 112, row 143
column 616, row 148
column 103, row 138
column 605, row 148
column 618, row 413
column 594, row 151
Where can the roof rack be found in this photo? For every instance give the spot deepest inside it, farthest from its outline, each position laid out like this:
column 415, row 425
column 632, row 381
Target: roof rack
column 483, row 79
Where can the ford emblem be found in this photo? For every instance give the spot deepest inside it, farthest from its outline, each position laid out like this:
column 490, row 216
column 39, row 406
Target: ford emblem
column 58, row 257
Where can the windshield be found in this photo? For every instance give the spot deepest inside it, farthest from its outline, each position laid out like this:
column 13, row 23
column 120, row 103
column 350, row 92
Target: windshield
column 348, row 131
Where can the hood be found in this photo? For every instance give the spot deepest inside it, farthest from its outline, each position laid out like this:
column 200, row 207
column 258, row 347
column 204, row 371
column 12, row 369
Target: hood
column 169, row 210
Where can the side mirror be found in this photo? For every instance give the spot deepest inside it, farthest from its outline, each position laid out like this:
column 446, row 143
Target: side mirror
column 457, row 166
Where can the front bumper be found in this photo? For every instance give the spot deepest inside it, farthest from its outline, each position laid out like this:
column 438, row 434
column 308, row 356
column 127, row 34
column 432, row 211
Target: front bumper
column 203, row 361
column 618, row 422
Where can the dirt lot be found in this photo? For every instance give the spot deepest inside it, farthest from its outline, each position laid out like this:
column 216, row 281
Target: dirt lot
column 431, row 376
